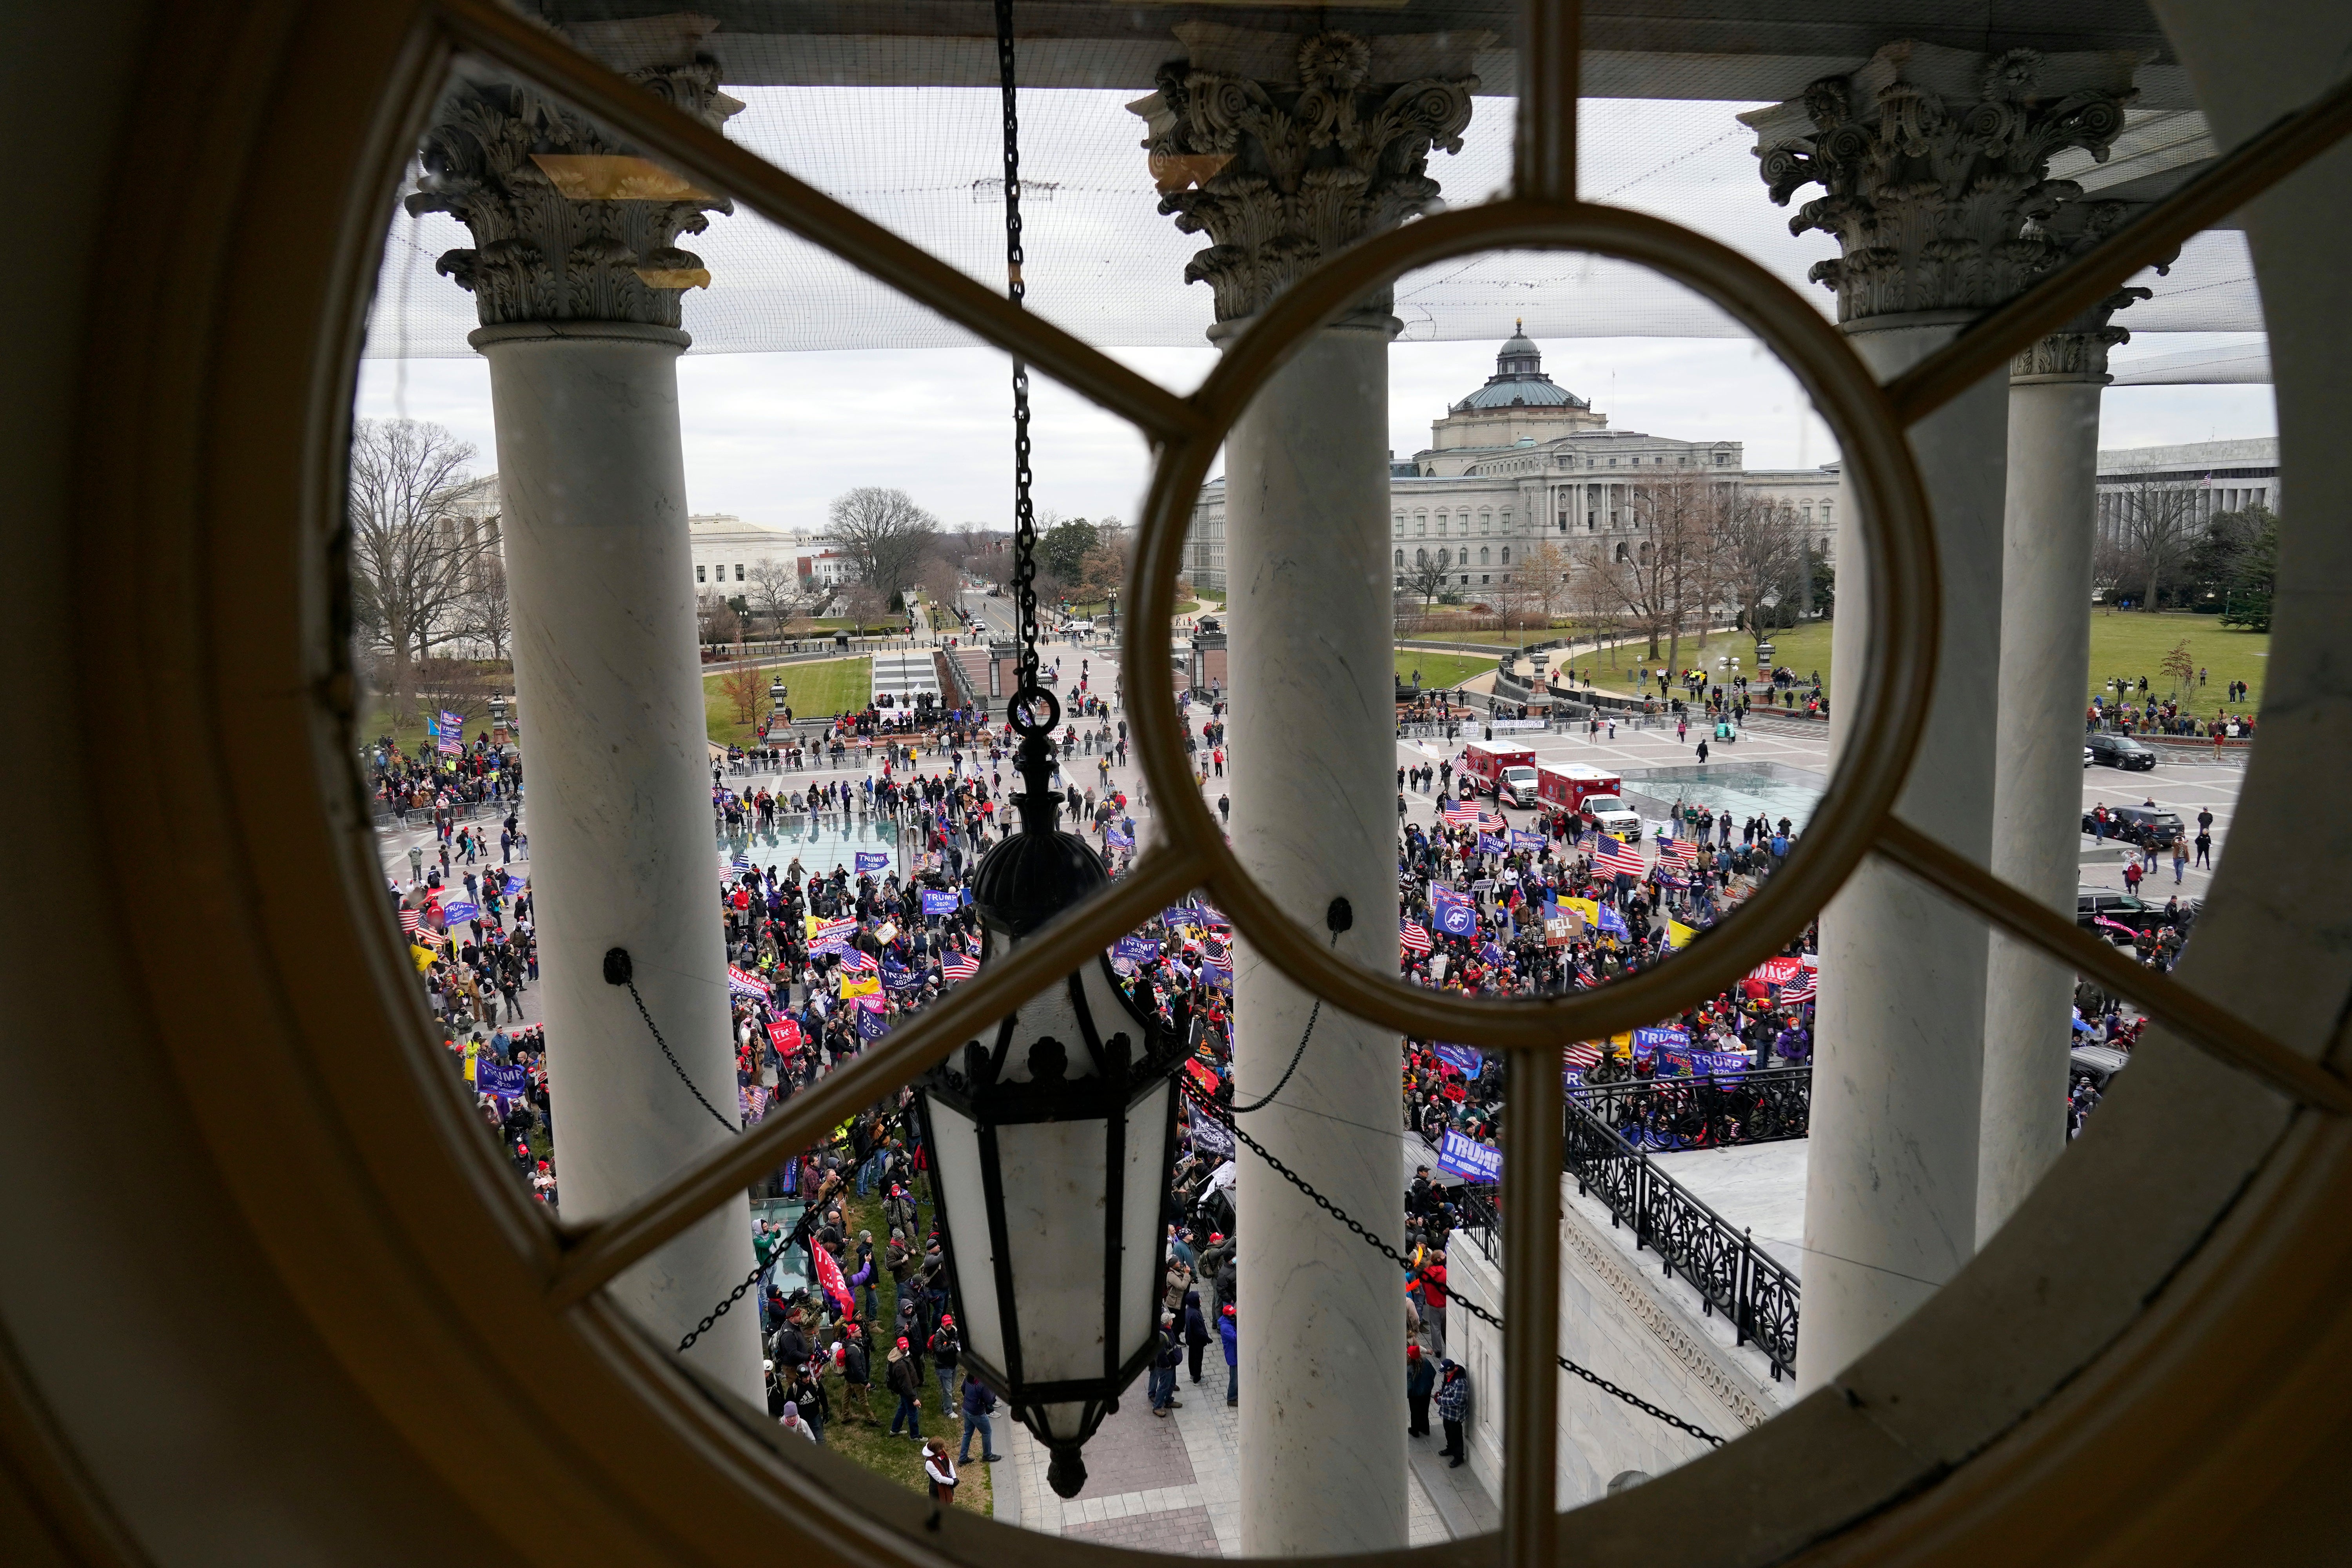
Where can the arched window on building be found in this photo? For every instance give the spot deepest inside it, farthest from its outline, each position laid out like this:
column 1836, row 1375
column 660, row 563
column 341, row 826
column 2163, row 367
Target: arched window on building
column 1482, row 555
column 1399, row 561
column 1507, row 555
column 1645, row 550
column 1621, row 553
column 1420, row 557
column 1445, row 558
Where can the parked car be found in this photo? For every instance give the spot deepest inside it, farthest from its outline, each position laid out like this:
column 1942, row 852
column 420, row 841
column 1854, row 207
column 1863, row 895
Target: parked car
column 2120, row 752
column 2097, row 1062
column 2093, row 905
column 2135, row 822
column 2087, row 756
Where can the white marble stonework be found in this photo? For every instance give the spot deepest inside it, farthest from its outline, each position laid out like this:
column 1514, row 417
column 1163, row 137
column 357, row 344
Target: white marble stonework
column 594, row 478
column 1315, row 818
column 2045, row 638
column 1890, row 1194
column 1757, row 1187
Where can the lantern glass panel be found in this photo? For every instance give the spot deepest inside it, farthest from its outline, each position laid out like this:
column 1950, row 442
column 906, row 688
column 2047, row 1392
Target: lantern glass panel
column 1049, row 1014
column 1054, row 1222
column 955, row 1153
column 1142, row 1192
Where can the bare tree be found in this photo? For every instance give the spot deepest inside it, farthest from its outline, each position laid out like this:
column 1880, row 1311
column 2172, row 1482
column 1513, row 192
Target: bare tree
column 412, row 561
column 775, row 585
column 1424, row 577
column 1544, row 577
column 2157, row 523
column 1756, row 555
column 940, row 580
column 1600, row 596
column 717, row 619
column 884, row 534
column 1663, row 575
column 865, row 604
column 489, row 615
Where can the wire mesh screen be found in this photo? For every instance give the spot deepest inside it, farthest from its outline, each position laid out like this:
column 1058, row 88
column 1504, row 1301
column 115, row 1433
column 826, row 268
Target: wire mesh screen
column 1103, row 263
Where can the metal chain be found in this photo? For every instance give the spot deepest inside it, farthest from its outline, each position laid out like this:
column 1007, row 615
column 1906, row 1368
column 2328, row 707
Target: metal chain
column 1399, row 1258
column 675, row 1065
column 1296, row 1057
column 1025, row 516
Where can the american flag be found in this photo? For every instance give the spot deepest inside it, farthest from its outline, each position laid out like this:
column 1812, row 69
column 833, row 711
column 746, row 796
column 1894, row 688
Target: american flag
column 1215, row 951
column 1583, row 1054
column 743, row 863
column 961, row 967
column 858, row 963
column 1799, row 990
column 1412, row 936
column 1617, row 859
column 832, row 934
column 1492, row 822
column 408, row 922
column 1681, row 851
column 1462, row 815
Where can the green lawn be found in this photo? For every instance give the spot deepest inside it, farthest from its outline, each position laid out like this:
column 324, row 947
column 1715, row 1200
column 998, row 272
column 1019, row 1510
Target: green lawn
column 821, row 688
column 1439, row 670
column 1491, row 639
column 2129, row 643
column 871, row 1444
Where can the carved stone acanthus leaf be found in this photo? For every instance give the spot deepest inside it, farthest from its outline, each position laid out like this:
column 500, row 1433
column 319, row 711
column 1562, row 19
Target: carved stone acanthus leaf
column 539, row 255
column 1933, row 181
column 2079, row 352
column 1297, row 171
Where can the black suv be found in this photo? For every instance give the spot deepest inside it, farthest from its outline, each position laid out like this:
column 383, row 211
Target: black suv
column 2092, row 905
column 2120, row 752
column 2137, row 822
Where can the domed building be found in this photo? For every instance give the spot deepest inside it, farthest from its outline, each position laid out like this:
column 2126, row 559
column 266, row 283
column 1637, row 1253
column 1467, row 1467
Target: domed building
column 1523, row 462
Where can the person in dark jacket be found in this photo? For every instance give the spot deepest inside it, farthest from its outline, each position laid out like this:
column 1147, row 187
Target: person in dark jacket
column 1196, row 1333
column 907, row 1382
column 1452, row 1407
column 856, row 1376
column 945, row 1349
column 978, row 1404
column 1163, row 1367
column 1420, row 1381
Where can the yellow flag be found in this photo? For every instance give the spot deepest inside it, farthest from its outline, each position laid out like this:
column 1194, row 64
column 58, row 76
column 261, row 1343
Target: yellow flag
column 1679, row 934
column 864, row 985
column 809, row 926
column 473, row 1049
column 1589, row 910
column 421, row 957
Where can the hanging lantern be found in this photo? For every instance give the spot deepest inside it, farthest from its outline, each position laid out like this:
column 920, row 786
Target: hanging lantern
column 1050, row 1137
column 1050, row 1147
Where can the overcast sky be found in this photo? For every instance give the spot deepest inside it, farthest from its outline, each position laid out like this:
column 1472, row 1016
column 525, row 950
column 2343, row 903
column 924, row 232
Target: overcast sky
column 773, row 438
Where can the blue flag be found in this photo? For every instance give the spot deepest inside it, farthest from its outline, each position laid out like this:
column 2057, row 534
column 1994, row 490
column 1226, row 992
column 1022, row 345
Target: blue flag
column 460, row 910
column 1490, row 844
column 1466, row 1157
column 1466, row 1058
column 514, row 885
column 1135, row 950
column 870, row 1025
column 1219, row 975
column 1117, row 840
column 489, row 1078
column 1493, row 952
column 939, row 903
column 1454, row 915
column 895, row 978
column 1613, row 922
column 872, row 860
column 1523, row 839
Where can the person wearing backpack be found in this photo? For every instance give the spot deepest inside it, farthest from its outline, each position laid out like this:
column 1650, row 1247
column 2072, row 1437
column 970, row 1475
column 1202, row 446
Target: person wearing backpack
column 1164, row 1364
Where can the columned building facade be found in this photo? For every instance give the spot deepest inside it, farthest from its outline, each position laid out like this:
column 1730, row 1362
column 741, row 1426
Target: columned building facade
column 1522, row 462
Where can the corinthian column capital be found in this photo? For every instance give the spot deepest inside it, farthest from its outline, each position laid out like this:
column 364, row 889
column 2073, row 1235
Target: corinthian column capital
column 1934, row 165
column 568, row 224
column 1284, row 150
column 2079, row 351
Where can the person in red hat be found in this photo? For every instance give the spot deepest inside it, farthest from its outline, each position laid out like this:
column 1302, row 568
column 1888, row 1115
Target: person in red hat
column 945, row 1349
column 899, row 1377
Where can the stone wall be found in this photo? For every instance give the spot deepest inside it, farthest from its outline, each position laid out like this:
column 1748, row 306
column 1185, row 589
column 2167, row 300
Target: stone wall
column 1618, row 1316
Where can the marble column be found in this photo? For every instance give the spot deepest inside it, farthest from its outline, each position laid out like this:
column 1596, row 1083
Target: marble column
column 2045, row 636
column 1934, row 163
column 577, row 283
column 1238, row 132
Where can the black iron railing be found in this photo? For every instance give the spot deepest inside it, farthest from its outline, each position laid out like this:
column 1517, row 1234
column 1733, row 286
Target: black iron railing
column 1706, row 1112
column 1731, row 1274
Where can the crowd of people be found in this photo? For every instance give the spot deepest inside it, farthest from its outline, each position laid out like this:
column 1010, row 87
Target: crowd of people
column 824, row 960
